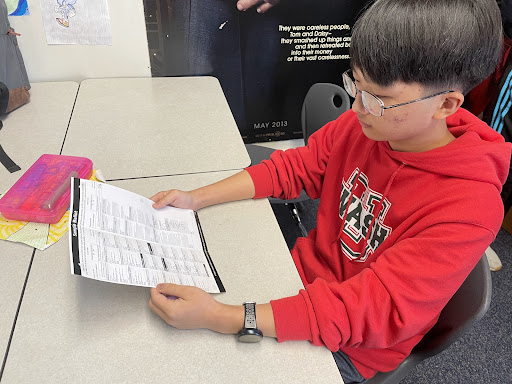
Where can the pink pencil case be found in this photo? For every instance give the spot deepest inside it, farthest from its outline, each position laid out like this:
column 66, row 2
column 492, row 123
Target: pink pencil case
column 42, row 193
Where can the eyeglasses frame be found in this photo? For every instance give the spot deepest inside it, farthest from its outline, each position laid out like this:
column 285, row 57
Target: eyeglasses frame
column 381, row 103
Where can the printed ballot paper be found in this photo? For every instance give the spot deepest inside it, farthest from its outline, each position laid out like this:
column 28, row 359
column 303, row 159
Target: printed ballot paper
column 117, row 236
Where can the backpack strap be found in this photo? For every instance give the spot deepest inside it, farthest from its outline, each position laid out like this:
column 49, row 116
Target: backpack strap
column 7, row 162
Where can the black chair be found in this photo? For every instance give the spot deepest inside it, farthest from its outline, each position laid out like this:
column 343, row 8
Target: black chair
column 324, row 102
column 465, row 308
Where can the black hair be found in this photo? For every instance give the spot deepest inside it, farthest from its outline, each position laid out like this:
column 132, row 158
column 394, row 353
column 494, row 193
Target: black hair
column 441, row 44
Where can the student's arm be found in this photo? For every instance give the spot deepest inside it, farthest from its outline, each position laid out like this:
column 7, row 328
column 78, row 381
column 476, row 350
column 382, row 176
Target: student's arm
column 284, row 176
column 287, row 173
column 394, row 300
column 237, row 187
column 195, row 308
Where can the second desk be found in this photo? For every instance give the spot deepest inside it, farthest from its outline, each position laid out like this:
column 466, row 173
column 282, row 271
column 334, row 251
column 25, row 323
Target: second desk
column 141, row 127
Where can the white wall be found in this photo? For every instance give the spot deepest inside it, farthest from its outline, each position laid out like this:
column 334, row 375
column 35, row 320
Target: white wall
column 127, row 56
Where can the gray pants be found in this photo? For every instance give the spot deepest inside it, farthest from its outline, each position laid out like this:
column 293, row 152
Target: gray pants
column 349, row 373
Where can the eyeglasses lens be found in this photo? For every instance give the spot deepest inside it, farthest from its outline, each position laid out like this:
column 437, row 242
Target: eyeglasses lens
column 371, row 103
column 350, row 87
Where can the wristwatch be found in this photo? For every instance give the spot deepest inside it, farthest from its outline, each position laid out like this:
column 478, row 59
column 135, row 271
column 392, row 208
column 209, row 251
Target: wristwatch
column 250, row 333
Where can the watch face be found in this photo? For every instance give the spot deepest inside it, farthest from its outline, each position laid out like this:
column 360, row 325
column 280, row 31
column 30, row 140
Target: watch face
column 250, row 338
column 248, row 335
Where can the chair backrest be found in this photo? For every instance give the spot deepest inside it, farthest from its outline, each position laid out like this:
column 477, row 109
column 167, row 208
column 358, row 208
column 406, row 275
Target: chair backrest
column 465, row 308
column 324, row 102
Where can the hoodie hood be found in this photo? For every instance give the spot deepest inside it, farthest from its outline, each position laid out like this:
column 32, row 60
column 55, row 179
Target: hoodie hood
column 479, row 153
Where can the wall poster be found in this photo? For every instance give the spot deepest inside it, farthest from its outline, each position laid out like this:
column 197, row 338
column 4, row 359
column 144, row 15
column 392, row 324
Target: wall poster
column 265, row 62
column 85, row 22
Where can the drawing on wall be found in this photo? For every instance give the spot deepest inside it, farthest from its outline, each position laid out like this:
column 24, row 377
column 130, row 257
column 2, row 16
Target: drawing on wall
column 17, row 7
column 66, row 10
column 76, row 22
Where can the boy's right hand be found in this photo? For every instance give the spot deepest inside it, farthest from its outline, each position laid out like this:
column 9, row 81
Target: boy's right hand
column 174, row 198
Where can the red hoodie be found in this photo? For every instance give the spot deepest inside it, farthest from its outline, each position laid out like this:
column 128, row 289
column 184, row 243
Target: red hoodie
column 378, row 271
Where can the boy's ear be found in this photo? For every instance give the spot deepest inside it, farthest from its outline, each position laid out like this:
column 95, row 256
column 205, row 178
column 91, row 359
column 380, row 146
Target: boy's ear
column 451, row 102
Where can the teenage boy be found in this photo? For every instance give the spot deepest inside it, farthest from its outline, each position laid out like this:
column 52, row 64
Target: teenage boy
column 409, row 186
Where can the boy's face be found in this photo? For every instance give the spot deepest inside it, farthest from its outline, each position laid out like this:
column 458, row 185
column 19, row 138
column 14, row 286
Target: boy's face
column 407, row 128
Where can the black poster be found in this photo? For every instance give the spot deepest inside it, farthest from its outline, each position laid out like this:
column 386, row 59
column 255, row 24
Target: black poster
column 265, row 62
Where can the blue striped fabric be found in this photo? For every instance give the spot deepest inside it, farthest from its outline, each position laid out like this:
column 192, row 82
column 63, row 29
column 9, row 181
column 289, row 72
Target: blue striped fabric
column 503, row 104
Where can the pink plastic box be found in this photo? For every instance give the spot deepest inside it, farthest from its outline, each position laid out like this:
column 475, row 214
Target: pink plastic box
column 42, row 193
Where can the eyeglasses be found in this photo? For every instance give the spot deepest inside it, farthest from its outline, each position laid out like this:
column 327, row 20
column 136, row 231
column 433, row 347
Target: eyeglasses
column 372, row 103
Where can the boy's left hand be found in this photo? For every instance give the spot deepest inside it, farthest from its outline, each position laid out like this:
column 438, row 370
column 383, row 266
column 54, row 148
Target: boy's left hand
column 193, row 308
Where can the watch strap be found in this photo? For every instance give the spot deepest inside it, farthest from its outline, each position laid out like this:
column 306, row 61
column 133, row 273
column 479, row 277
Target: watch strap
column 250, row 315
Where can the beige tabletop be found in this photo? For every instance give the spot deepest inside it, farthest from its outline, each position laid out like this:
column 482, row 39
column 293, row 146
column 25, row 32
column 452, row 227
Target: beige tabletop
column 74, row 330
column 139, row 127
column 15, row 259
column 36, row 128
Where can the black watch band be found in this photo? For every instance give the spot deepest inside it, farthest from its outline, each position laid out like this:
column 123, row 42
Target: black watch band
column 250, row 332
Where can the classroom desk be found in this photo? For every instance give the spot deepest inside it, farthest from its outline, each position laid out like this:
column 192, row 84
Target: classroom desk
column 140, row 127
column 15, row 259
column 37, row 127
column 74, row 330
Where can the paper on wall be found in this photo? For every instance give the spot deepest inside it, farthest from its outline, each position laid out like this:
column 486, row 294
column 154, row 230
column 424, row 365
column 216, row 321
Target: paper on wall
column 84, row 22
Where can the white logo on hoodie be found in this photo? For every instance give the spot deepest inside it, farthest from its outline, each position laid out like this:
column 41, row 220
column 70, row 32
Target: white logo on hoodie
column 359, row 217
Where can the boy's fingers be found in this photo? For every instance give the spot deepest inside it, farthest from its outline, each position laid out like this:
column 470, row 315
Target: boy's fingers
column 154, row 307
column 161, row 299
column 159, row 204
column 157, row 298
column 157, row 197
column 162, row 199
column 170, row 289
